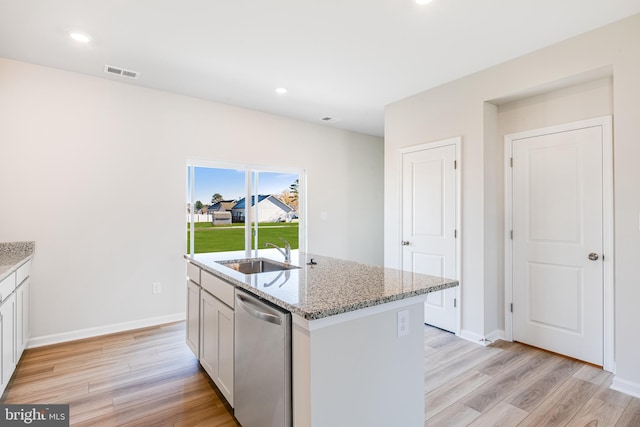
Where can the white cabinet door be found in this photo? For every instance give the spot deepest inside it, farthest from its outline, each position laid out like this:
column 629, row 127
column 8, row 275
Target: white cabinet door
column 193, row 317
column 7, row 339
column 224, row 377
column 23, row 323
column 208, row 333
column 216, row 343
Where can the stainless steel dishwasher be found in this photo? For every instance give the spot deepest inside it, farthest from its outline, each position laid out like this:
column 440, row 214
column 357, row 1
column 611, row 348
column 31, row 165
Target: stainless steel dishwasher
column 262, row 384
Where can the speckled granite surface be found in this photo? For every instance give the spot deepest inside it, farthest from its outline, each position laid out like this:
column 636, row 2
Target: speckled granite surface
column 13, row 254
column 330, row 287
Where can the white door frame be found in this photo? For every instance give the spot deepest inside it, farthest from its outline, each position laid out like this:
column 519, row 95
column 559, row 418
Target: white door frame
column 607, row 199
column 457, row 141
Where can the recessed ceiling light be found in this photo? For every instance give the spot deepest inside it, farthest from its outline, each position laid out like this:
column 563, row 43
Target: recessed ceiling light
column 79, row 37
column 422, row 2
column 281, row 90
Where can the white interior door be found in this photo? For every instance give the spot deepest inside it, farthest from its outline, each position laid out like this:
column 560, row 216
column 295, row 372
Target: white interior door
column 429, row 225
column 558, row 242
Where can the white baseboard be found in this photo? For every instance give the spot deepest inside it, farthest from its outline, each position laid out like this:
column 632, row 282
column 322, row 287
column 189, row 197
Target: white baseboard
column 625, row 386
column 496, row 335
column 482, row 340
column 103, row 330
column 472, row 336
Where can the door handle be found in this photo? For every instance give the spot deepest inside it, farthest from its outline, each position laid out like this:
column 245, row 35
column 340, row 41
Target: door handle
column 405, row 243
column 593, row 256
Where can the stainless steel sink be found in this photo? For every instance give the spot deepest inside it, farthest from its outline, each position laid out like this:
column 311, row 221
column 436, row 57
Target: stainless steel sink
column 256, row 265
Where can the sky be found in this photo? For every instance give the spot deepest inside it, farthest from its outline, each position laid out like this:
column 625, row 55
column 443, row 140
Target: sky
column 230, row 183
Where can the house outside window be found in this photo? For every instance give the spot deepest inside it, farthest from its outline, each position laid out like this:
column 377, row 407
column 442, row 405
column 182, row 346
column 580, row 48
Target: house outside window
column 227, row 223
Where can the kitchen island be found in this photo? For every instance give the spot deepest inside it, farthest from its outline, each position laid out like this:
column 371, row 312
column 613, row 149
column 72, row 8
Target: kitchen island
column 357, row 335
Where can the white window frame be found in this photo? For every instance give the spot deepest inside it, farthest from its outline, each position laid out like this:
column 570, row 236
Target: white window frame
column 249, row 171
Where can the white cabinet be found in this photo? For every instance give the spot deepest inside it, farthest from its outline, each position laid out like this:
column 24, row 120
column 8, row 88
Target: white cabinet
column 216, row 338
column 15, row 324
column 208, row 332
column 218, row 288
column 23, row 313
column 23, row 308
column 193, row 273
column 23, row 272
column 210, row 326
column 7, row 286
column 7, row 339
column 193, row 317
column 225, row 363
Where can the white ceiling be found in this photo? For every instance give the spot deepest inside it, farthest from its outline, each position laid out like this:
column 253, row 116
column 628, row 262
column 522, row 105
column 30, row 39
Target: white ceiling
column 344, row 59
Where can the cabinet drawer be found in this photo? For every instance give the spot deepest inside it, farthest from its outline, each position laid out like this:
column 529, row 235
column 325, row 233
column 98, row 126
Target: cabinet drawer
column 193, row 273
column 7, row 286
column 218, row 288
column 23, row 272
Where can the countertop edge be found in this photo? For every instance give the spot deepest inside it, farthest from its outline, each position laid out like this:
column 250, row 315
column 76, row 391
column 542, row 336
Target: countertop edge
column 15, row 266
column 319, row 314
column 13, row 255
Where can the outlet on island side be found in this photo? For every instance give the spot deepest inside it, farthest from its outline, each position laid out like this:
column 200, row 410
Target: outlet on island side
column 403, row 323
column 156, row 288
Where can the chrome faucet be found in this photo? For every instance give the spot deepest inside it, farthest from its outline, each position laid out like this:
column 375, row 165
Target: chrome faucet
column 286, row 251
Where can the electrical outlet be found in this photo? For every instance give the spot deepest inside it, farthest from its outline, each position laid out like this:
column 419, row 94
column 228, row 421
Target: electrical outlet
column 157, row 288
column 403, row 323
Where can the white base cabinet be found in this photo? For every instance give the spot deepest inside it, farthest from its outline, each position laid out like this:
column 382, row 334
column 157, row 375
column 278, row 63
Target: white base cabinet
column 193, row 317
column 15, row 324
column 210, row 327
column 23, row 312
column 7, row 339
column 216, row 337
column 224, row 376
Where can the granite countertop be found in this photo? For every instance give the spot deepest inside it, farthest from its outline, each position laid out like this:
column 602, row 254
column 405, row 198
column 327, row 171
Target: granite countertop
column 14, row 254
column 330, row 287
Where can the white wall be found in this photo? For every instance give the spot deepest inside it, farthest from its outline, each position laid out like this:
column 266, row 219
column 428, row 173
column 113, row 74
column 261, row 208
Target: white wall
column 460, row 108
column 70, row 142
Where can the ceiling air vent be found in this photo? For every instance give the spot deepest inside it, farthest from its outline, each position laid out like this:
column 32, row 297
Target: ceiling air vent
column 328, row 119
column 117, row 71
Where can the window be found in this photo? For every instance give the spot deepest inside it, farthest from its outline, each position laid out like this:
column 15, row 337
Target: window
column 242, row 207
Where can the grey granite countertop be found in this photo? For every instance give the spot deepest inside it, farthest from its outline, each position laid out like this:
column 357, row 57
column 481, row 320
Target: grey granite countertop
column 14, row 254
column 330, row 287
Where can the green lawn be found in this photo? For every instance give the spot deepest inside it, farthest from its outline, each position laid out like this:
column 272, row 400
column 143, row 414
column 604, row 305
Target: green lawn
column 219, row 239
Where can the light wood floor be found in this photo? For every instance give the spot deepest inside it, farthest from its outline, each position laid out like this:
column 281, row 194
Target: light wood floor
column 148, row 377
column 511, row 384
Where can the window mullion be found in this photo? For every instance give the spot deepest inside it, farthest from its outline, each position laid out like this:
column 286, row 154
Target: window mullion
column 248, row 213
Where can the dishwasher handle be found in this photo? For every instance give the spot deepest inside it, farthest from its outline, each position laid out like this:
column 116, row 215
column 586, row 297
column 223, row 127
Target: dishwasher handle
column 255, row 311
